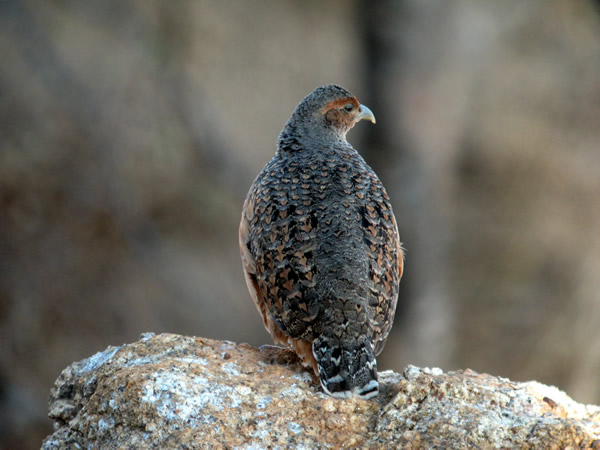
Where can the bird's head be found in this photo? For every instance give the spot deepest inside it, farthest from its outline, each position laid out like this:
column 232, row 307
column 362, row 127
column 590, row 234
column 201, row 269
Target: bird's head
column 327, row 114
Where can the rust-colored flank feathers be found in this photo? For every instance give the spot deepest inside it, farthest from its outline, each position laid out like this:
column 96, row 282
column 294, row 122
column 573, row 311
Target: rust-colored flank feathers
column 320, row 246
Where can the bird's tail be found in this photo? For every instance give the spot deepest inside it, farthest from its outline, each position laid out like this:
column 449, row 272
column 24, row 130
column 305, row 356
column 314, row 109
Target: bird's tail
column 346, row 368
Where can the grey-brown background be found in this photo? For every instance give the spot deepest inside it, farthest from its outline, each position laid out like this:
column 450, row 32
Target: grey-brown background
column 131, row 131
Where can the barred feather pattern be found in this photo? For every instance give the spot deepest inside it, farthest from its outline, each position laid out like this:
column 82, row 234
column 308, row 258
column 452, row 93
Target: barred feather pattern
column 322, row 259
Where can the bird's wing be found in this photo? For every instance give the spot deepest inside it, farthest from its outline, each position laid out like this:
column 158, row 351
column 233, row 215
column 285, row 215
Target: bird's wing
column 249, row 264
column 301, row 347
column 386, row 260
column 394, row 247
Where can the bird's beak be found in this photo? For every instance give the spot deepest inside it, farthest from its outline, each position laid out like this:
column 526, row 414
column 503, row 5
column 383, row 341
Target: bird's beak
column 365, row 113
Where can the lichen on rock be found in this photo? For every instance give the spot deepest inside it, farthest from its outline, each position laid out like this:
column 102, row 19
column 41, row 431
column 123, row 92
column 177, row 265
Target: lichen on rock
column 169, row 390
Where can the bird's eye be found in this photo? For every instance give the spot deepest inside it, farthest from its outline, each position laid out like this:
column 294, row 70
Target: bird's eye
column 349, row 107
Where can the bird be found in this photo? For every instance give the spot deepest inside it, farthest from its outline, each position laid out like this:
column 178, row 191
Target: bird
column 320, row 248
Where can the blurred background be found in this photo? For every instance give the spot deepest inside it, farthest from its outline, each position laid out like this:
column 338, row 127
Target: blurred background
column 130, row 133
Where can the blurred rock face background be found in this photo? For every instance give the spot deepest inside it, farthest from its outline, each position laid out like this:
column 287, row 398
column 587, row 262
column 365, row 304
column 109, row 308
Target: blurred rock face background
column 131, row 131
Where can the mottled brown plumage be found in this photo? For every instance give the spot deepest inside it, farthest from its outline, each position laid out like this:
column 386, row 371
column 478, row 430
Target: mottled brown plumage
column 320, row 246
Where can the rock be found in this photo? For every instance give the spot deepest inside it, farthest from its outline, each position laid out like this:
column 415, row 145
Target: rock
column 168, row 390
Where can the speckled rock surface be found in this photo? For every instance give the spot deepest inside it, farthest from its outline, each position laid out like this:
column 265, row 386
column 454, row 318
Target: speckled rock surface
column 175, row 391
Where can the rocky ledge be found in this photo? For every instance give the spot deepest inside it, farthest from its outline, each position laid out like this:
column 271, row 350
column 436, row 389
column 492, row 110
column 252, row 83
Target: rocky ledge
column 171, row 391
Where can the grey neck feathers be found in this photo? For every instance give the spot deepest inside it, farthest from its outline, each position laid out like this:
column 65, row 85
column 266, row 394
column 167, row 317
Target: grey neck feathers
column 306, row 135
